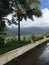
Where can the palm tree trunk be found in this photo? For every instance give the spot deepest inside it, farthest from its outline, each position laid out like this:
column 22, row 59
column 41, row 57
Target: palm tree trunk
column 18, row 31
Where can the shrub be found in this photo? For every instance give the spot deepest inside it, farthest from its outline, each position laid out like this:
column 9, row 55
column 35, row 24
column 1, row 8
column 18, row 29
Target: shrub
column 47, row 35
column 24, row 38
column 38, row 38
column 10, row 40
column 3, row 33
column 29, row 39
column 1, row 41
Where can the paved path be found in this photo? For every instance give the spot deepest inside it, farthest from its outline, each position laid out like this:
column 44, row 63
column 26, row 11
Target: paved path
column 6, row 57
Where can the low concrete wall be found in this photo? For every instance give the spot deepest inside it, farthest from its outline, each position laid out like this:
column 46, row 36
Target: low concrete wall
column 6, row 57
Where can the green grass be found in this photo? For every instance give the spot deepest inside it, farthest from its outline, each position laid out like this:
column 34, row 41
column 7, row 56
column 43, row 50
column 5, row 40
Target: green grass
column 38, row 37
column 11, row 47
column 46, row 34
column 11, row 43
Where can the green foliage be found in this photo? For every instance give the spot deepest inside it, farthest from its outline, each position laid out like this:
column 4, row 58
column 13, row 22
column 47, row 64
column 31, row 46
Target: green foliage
column 37, row 12
column 29, row 39
column 2, row 25
column 10, row 43
column 38, row 37
column 24, row 38
column 46, row 34
column 3, row 33
column 5, row 8
column 1, row 41
column 10, row 40
column 22, row 8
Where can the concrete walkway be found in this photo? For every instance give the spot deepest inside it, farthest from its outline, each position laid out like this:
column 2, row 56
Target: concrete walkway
column 6, row 57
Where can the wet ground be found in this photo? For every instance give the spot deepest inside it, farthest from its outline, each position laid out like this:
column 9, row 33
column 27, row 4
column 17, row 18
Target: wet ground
column 36, row 56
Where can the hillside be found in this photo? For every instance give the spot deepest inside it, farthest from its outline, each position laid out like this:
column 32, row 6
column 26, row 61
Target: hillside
column 25, row 31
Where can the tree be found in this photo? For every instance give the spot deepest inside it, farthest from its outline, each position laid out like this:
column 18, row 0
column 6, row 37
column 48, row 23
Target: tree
column 4, row 10
column 25, row 9
column 22, row 9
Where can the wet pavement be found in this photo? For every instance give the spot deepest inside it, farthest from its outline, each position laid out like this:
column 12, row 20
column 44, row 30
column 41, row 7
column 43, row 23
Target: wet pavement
column 36, row 56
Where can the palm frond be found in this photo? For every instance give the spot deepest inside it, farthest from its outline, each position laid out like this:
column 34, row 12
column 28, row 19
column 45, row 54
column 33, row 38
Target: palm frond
column 37, row 12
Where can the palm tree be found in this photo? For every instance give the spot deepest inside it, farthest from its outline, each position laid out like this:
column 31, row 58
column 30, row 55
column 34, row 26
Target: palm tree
column 26, row 9
column 22, row 9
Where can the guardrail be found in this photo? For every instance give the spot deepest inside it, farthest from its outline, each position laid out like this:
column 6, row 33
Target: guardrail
column 6, row 57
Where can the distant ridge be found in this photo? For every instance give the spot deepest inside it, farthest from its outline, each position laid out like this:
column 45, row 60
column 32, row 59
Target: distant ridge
column 25, row 31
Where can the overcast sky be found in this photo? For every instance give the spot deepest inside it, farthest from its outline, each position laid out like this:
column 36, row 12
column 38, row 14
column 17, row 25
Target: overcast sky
column 38, row 22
